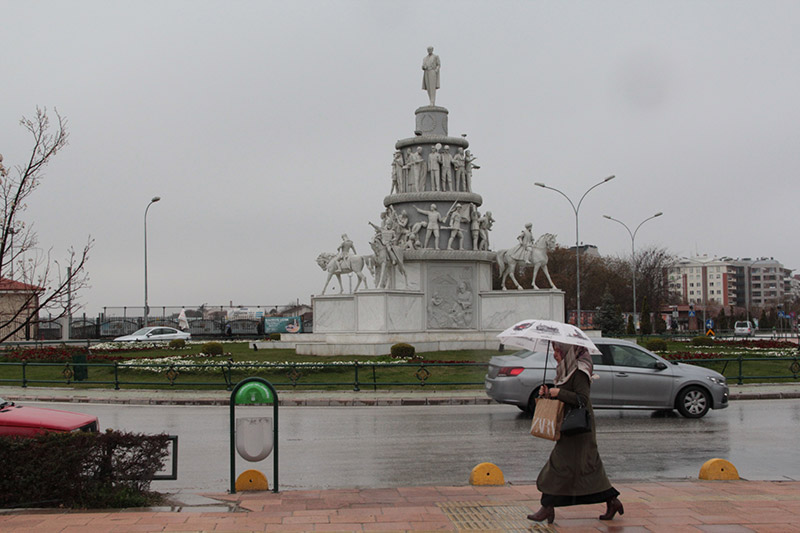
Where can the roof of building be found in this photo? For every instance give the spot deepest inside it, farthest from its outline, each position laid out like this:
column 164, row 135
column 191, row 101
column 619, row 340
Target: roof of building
column 11, row 285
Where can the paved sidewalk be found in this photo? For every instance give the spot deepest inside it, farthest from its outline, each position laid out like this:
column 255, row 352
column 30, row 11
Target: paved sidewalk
column 668, row 507
column 419, row 396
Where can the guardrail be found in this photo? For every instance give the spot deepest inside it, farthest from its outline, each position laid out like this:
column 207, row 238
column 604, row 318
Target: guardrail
column 228, row 374
column 792, row 365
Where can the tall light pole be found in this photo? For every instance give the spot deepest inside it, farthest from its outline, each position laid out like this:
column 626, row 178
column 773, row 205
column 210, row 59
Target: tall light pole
column 577, row 237
column 633, row 256
column 147, row 309
column 748, row 269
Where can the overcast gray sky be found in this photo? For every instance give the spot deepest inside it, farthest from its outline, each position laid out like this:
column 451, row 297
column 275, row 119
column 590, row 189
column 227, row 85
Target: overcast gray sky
column 267, row 128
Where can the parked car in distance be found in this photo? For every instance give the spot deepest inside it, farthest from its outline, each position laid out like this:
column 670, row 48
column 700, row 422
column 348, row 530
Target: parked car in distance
column 743, row 328
column 25, row 421
column 629, row 377
column 155, row 334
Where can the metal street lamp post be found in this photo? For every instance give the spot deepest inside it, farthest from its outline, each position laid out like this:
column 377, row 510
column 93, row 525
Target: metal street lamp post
column 748, row 269
column 147, row 309
column 577, row 238
column 633, row 257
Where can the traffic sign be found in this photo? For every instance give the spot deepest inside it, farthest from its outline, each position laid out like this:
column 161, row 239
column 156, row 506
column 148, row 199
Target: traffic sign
column 691, row 313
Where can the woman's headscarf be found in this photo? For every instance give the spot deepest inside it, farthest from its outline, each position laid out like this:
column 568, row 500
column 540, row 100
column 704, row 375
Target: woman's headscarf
column 575, row 358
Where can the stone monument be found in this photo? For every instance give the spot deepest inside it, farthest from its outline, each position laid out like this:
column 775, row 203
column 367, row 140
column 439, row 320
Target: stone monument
column 432, row 261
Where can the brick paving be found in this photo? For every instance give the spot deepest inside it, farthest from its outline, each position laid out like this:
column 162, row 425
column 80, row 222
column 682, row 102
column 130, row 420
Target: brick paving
column 650, row 507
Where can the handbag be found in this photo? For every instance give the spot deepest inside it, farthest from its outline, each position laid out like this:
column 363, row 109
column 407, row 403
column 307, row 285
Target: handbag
column 547, row 419
column 576, row 420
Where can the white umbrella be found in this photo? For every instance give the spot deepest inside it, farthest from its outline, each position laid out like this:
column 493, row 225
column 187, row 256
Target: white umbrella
column 183, row 324
column 535, row 335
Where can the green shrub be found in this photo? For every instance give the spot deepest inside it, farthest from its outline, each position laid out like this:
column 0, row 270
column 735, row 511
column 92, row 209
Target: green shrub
column 274, row 336
column 702, row 341
column 401, row 350
column 212, row 348
column 177, row 343
column 80, row 470
column 655, row 345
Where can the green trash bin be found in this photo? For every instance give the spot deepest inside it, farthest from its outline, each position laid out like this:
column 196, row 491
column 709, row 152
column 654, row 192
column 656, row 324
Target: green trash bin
column 79, row 368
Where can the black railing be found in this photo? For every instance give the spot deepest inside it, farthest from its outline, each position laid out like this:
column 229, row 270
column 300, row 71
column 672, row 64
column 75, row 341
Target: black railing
column 352, row 375
column 226, row 375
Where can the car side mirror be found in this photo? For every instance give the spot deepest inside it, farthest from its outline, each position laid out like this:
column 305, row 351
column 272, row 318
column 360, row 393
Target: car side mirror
column 660, row 366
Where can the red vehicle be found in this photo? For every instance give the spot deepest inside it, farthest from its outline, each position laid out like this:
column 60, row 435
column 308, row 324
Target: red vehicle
column 24, row 421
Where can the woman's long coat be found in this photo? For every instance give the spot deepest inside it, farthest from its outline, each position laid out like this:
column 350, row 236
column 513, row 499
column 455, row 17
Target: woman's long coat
column 574, row 467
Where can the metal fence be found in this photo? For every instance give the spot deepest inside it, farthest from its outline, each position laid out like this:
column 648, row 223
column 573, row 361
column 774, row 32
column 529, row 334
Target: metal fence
column 111, row 327
column 355, row 375
column 217, row 321
column 226, row 375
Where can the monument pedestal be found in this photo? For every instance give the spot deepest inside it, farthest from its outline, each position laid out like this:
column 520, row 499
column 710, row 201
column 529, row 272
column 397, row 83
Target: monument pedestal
column 369, row 322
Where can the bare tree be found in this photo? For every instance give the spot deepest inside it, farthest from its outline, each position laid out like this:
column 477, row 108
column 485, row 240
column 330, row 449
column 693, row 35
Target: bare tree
column 653, row 264
column 39, row 282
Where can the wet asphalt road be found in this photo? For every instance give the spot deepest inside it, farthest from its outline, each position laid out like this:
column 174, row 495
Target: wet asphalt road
column 373, row 447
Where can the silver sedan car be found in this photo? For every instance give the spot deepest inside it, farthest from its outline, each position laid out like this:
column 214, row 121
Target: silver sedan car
column 629, row 377
column 155, row 334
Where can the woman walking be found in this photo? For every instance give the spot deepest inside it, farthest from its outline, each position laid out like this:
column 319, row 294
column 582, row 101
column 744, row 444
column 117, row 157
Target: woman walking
column 574, row 474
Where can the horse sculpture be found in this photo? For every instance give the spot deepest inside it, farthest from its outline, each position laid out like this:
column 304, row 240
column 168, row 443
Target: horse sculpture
column 508, row 265
column 383, row 260
column 327, row 262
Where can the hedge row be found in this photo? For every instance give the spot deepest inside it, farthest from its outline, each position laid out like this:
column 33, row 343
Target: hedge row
column 80, row 470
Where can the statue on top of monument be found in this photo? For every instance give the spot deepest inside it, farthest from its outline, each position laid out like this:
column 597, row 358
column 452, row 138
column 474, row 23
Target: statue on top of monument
column 397, row 173
column 457, row 215
column 523, row 251
column 459, row 164
column 434, row 218
column 484, row 227
column 434, row 166
column 468, row 166
column 447, row 169
column 343, row 254
column 415, row 165
column 430, row 74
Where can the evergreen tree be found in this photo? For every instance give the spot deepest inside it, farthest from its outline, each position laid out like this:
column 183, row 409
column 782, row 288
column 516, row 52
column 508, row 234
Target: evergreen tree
column 609, row 317
column 631, row 329
column 763, row 321
column 722, row 320
column 660, row 324
column 646, row 326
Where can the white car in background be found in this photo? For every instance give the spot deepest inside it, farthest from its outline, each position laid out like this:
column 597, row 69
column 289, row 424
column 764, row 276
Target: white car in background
column 743, row 328
column 155, row 334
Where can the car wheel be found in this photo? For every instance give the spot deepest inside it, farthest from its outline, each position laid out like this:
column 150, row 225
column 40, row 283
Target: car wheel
column 529, row 407
column 693, row 402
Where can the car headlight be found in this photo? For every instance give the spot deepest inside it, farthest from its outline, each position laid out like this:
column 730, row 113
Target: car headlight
column 718, row 381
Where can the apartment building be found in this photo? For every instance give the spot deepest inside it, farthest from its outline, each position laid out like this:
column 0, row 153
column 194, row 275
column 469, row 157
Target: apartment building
column 724, row 281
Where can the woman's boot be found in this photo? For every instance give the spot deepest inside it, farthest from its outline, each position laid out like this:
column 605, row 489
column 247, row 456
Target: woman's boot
column 544, row 513
column 613, row 506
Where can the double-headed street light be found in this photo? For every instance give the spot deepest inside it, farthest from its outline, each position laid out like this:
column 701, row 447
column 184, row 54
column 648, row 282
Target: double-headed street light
column 577, row 238
column 633, row 256
column 147, row 309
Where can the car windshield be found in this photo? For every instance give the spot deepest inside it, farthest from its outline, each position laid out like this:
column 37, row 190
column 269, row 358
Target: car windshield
column 741, row 324
column 522, row 354
column 142, row 331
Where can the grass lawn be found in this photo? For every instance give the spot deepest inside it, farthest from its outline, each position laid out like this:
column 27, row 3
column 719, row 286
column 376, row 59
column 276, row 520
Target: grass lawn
column 187, row 368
